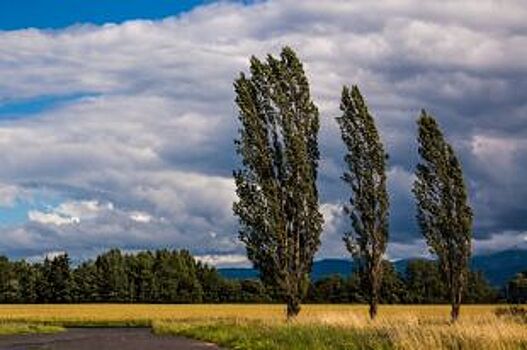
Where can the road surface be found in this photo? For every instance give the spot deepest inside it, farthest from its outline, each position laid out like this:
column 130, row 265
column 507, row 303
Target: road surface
column 101, row 339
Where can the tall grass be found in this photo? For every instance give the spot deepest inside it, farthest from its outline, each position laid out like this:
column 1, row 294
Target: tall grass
column 261, row 335
column 317, row 327
column 406, row 332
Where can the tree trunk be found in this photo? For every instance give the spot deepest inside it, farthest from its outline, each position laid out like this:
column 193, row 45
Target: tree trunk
column 374, row 296
column 456, row 304
column 293, row 307
column 455, row 312
column 373, row 309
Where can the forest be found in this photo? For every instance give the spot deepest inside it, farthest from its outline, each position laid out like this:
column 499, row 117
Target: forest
column 165, row 276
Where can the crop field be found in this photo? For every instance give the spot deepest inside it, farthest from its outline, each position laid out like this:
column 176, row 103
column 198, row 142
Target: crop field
column 317, row 327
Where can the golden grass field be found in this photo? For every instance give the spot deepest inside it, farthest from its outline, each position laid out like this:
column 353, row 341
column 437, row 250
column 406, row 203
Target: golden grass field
column 398, row 326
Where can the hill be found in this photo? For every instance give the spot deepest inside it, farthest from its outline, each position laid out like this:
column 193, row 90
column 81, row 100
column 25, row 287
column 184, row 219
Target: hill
column 498, row 267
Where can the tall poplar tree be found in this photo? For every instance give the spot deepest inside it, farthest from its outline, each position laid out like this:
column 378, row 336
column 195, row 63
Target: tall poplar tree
column 369, row 203
column 443, row 212
column 278, row 209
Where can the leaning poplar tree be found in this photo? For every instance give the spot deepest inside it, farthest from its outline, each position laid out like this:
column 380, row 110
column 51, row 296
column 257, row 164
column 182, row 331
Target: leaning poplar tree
column 278, row 209
column 369, row 203
column 443, row 212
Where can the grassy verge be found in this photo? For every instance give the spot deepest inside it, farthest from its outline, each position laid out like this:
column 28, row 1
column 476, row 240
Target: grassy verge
column 254, row 335
column 11, row 328
column 88, row 323
column 404, row 333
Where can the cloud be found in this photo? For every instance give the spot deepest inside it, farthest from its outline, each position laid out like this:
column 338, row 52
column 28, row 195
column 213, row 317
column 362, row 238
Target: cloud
column 225, row 260
column 138, row 216
column 409, row 249
column 149, row 119
column 51, row 218
column 9, row 195
column 49, row 255
column 501, row 241
column 70, row 212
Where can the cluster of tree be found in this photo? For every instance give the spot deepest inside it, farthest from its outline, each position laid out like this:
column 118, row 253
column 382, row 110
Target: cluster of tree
column 421, row 283
column 162, row 276
column 176, row 277
column 516, row 289
column 278, row 206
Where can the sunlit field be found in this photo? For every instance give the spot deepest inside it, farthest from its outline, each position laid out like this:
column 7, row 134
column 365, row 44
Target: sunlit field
column 143, row 314
column 317, row 326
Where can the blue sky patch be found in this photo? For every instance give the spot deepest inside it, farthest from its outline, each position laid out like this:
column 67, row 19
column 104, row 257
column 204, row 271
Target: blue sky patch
column 19, row 109
column 54, row 14
column 17, row 214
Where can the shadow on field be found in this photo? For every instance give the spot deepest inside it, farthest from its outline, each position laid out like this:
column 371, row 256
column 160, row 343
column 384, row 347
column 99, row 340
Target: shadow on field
column 102, row 339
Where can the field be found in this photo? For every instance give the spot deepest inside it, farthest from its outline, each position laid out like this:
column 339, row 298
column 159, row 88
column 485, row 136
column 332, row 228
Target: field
column 263, row 326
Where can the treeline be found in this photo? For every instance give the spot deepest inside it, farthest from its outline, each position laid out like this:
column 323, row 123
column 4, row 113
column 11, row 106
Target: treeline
column 165, row 276
column 421, row 283
column 158, row 276
column 516, row 289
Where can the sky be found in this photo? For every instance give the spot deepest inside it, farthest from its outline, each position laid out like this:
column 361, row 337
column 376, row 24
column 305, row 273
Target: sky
column 117, row 118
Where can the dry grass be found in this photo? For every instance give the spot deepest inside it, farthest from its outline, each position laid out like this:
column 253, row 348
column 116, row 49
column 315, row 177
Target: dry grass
column 399, row 327
column 146, row 312
column 425, row 329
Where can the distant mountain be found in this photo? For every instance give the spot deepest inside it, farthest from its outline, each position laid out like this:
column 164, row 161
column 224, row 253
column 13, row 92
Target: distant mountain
column 238, row 273
column 326, row 267
column 498, row 268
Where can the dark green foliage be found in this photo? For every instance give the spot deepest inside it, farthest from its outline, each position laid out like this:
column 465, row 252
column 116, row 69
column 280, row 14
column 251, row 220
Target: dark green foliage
column 188, row 281
column 160, row 277
column 425, row 285
column 278, row 207
column 59, row 279
column 42, row 288
column 393, row 288
column 211, row 283
column 516, row 289
column 420, row 284
column 336, row 289
column 332, row 289
column 424, row 282
column 369, row 203
column 140, row 269
column 112, row 277
column 85, row 283
column 479, row 290
column 27, row 281
column 253, row 291
column 443, row 213
column 8, row 281
column 175, row 277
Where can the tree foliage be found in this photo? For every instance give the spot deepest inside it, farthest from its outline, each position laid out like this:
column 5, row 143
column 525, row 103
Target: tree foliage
column 278, row 207
column 22, row 282
column 443, row 212
column 369, row 203
column 516, row 289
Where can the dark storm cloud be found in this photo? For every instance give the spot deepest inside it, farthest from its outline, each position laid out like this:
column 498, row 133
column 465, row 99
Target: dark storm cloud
column 145, row 159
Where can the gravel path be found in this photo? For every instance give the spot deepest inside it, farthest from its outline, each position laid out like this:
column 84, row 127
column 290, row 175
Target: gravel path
column 102, row 339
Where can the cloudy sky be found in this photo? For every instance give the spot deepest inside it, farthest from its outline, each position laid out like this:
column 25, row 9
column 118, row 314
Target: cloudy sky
column 117, row 122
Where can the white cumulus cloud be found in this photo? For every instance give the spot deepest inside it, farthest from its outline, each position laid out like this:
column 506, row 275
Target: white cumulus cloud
column 145, row 117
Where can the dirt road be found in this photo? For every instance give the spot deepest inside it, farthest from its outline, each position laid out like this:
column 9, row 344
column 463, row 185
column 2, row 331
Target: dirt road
column 101, row 339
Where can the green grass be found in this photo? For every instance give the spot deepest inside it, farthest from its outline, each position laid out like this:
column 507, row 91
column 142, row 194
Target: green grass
column 139, row 323
column 9, row 328
column 404, row 332
column 257, row 335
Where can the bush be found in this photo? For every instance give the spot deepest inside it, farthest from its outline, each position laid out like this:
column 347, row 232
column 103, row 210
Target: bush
column 516, row 312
